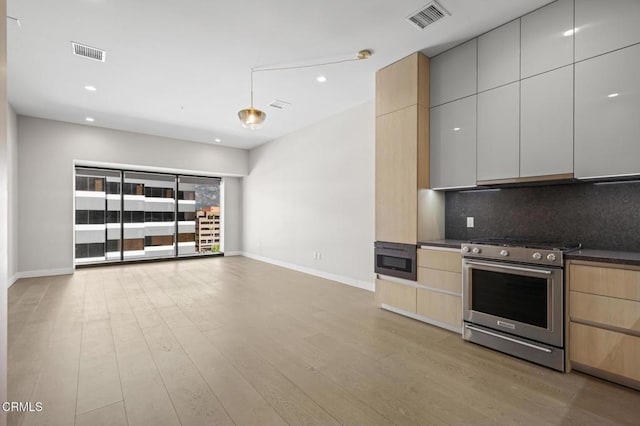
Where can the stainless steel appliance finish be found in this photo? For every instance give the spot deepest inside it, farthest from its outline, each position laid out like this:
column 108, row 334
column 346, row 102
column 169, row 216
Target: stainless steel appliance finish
column 513, row 298
column 396, row 260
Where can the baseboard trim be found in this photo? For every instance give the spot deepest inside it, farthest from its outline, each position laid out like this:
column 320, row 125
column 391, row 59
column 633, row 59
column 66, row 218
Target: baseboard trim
column 12, row 279
column 42, row 273
column 364, row 285
column 232, row 253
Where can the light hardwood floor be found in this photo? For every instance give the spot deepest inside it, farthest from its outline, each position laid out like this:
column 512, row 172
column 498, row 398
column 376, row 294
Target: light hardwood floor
column 236, row 341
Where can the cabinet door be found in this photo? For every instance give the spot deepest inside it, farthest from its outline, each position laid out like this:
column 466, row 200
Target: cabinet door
column 499, row 56
column 499, row 133
column 607, row 112
column 547, row 38
column 397, row 176
column 453, row 74
column 441, row 307
column 402, row 84
column 397, row 295
column 605, row 350
column 546, row 126
column 602, row 27
column 453, row 144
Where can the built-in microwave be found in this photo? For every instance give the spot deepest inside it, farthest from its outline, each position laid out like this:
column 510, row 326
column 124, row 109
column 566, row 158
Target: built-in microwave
column 396, row 260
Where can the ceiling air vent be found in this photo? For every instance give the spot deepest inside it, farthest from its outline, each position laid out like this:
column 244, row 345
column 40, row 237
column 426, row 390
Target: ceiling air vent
column 427, row 15
column 88, row 52
column 279, row 104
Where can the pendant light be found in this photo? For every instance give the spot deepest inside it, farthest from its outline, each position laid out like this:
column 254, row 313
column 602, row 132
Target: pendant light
column 252, row 118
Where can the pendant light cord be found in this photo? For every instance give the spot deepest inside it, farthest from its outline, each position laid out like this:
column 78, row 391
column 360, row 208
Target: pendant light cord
column 251, row 88
column 295, row 67
column 253, row 118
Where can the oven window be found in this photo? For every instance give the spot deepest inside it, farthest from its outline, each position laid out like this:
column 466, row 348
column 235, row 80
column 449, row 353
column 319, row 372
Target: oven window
column 395, row 263
column 516, row 297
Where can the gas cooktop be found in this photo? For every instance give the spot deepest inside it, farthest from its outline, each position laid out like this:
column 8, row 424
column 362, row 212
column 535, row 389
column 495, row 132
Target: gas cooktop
column 527, row 243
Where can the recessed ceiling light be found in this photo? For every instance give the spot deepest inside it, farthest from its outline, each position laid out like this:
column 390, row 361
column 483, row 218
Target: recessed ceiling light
column 90, row 119
column 321, row 79
column 90, row 88
column 455, row 129
column 217, row 140
column 613, row 95
column 570, row 32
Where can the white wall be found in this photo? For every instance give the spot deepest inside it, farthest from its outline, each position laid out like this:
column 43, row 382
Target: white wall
column 232, row 232
column 313, row 191
column 47, row 151
column 12, row 215
column 4, row 208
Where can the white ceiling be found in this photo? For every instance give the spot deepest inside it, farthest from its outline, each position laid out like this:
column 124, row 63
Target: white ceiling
column 181, row 68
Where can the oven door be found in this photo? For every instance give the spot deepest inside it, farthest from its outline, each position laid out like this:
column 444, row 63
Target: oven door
column 521, row 300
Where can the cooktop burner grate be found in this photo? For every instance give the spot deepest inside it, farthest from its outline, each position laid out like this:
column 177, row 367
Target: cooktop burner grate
column 533, row 244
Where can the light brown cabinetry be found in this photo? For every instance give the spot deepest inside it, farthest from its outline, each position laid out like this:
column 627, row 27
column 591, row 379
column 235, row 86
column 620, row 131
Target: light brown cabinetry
column 435, row 298
column 396, row 176
column 443, row 260
column 396, row 295
column 402, row 147
column 441, row 307
column 440, row 293
column 402, row 84
column 604, row 314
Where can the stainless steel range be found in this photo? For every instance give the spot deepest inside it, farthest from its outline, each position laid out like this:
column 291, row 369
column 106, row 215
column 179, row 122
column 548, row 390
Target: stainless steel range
column 513, row 298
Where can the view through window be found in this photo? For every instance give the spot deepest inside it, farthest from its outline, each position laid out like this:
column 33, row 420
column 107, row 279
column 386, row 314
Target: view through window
column 127, row 215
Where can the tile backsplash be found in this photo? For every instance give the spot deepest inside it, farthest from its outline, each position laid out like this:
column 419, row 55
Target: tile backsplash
column 598, row 215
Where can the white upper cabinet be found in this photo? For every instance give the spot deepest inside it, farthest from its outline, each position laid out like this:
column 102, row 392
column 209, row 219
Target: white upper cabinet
column 603, row 26
column 453, row 74
column 547, row 38
column 499, row 133
column 499, row 56
column 546, row 124
column 453, row 144
column 608, row 114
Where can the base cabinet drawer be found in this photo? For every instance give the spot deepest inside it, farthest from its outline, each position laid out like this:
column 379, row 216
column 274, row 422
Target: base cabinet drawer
column 605, row 351
column 443, row 280
column 441, row 307
column 614, row 282
column 606, row 311
column 440, row 259
column 397, row 295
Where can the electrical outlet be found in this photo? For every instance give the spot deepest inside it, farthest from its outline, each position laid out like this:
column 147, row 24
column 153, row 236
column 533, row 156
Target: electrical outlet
column 470, row 222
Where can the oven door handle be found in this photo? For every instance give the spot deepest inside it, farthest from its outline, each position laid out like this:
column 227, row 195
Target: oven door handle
column 470, row 327
column 511, row 268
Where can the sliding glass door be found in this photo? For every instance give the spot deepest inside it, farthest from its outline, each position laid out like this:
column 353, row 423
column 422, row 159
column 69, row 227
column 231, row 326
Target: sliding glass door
column 127, row 215
column 149, row 215
column 97, row 215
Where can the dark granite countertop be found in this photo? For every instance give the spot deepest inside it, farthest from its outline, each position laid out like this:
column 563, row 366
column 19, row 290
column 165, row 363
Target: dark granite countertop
column 442, row 243
column 606, row 256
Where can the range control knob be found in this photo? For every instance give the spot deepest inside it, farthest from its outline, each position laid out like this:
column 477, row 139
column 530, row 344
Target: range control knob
column 476, row 250
column 504, row 253
column 551, row 257
column 465, row 249
column 537, row 256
